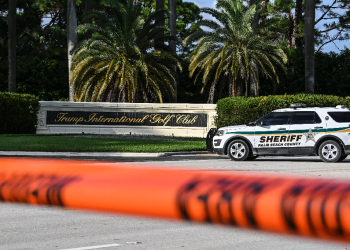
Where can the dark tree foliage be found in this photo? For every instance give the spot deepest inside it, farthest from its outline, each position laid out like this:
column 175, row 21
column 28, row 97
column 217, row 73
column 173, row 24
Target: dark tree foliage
column 43, row 77
column 331, row 75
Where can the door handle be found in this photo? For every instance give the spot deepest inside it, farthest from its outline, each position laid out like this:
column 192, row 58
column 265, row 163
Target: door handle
column 318, row 127
column 281, row 129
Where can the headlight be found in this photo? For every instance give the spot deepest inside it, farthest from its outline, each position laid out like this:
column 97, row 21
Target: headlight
column 221, row 132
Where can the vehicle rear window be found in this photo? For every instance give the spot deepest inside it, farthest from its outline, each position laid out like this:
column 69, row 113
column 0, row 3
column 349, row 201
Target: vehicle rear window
column 305, row 117
column 340, row 116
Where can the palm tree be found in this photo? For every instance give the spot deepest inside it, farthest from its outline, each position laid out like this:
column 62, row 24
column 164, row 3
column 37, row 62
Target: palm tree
column 233, row 47
column 12, row 16
column 310, row 47
column 72, row 39
column 119, row 63
column 172, row 27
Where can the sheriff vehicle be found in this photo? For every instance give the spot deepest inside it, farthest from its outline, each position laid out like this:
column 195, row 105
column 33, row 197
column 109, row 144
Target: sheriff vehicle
column 291, row 131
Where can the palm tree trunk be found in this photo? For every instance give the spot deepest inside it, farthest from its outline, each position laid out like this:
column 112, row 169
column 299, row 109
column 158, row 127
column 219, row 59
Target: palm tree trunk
column 297, row 18
column 309, row 47
column 253, row 82
column 72, row 39
column 12, row 16
column 211, row 93
column 172, row 44
column 159, row 38
column 237, row 86
column 254, row 85
column 231, row 85
column 88, row 7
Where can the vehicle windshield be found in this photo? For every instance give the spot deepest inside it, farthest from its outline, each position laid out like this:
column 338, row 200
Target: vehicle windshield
column 262, row 118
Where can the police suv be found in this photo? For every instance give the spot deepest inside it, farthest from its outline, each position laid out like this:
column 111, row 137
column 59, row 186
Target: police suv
column 291, row 131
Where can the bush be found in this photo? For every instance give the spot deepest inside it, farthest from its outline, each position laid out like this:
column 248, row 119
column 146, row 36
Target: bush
column 240, row 110
column 18, row 113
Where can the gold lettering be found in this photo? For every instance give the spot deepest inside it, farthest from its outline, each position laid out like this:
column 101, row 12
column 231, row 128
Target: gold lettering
column 194, row 119
column 91, row 117
column 100, row 119
column 179, row 119
column 80, row 119
column 60, row 116
column 63, row 118
column 144, row 118
column 167, row 119
column 185, row 119
column 155, row 118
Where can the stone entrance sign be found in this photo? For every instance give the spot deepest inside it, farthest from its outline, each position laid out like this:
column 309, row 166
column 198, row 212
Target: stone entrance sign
column 192, row 120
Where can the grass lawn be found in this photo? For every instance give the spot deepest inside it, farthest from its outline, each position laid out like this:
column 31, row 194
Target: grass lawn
column 50, row 143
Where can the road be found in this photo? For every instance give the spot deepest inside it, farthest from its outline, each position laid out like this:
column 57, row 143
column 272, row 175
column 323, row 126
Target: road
column 25, row 227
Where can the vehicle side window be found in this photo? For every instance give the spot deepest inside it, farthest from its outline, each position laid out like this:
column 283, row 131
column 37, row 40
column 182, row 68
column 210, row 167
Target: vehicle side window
column 305, row 117
column 277, row 118
column 340, row 116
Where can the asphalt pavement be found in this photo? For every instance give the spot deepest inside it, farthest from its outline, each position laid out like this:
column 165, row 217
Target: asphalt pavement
column 25, row 227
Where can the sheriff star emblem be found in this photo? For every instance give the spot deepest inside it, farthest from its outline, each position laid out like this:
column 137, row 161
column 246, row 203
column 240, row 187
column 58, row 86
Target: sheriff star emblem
column 310, row 136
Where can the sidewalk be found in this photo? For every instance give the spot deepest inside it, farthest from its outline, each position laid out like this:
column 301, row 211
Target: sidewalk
column 97, row 154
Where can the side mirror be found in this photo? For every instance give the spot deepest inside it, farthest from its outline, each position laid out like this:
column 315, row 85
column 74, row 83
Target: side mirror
column 261, row 123
column 251, row 124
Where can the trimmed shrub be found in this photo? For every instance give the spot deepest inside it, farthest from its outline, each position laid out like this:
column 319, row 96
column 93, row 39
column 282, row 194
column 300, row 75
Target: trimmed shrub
column 18, row 113
column 240, row 110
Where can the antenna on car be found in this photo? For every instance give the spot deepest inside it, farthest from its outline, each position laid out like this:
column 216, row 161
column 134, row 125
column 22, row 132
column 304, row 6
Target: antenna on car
column 297, row 105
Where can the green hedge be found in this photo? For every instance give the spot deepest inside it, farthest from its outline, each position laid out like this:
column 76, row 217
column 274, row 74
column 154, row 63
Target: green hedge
column 18, row 113
column 240, row 110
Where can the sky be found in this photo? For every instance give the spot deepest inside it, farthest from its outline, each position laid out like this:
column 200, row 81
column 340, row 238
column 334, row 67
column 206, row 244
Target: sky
column 327, row 48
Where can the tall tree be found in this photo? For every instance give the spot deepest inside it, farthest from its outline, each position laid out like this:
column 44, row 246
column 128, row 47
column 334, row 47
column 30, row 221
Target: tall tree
column 12, row 16
column 231, row 46
column 88, row 8
column 72, row 39
column 254, row 88
column 298, row 12
column 160, row 20
column 310, row 47
column 172, row 43
column 120, row 62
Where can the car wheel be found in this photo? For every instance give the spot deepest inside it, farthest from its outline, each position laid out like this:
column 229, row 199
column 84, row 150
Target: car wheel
column 330, row 151
column 238, row 150
column 342, row 158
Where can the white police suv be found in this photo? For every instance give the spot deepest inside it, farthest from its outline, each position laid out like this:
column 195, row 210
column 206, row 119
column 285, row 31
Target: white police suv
column 291, row 131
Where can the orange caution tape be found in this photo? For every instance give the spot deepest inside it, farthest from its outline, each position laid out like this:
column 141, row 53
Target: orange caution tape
column 308, row 207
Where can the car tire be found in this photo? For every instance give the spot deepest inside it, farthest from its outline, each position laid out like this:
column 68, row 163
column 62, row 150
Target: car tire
column 342, row 158
column 330, row 151
column 238, row 150
column 253, row 157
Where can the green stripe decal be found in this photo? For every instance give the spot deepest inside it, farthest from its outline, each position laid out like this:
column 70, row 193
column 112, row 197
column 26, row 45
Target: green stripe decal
column 287, row 132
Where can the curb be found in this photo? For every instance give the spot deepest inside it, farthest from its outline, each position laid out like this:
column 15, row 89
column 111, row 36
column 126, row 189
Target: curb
column 96, row 154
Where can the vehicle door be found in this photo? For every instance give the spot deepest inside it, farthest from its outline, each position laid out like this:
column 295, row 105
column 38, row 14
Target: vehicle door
column 339, row 125
column 305, row 129
column 270, row 134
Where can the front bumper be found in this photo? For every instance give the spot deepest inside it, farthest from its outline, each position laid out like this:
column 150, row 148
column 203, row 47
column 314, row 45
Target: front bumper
column 220, row 151
column 347, row 149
